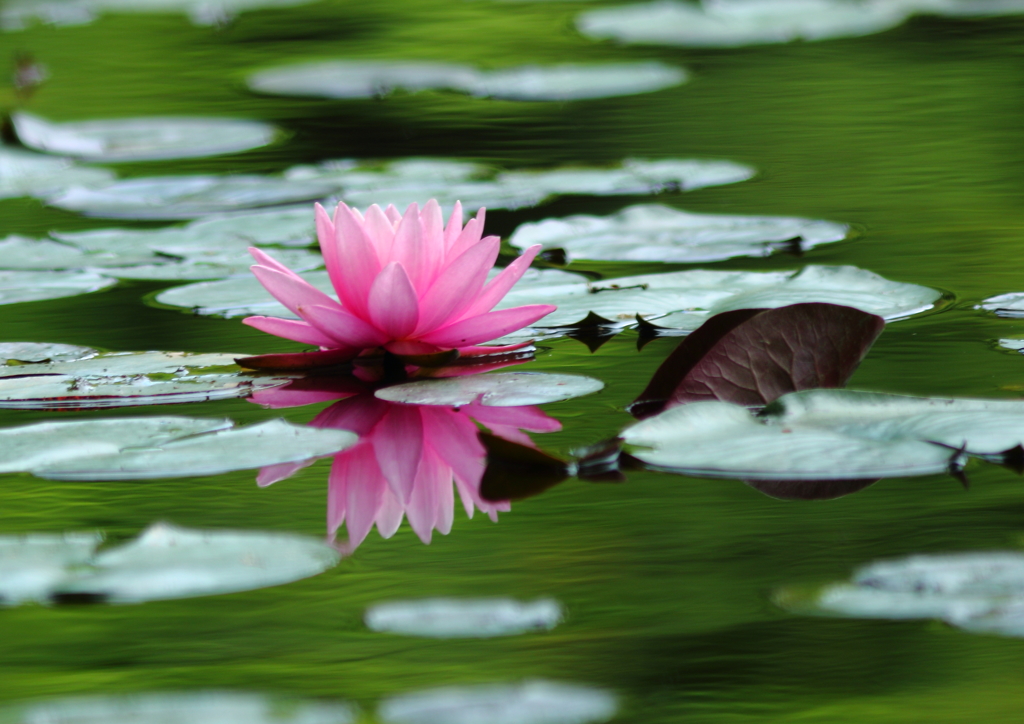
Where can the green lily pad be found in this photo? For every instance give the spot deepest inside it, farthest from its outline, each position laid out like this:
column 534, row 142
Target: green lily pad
column 34, row 286
column 29, row 352
column 447, row 618
column 141, row 139
column 576, row 81
column 502, row 389
column 24, row 173
column 653, row 232
column 19, row 14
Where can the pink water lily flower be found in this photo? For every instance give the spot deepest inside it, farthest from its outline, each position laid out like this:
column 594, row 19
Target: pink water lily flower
column 405, row 283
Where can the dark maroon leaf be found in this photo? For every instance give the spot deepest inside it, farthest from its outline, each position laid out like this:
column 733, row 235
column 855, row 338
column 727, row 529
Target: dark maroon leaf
column 516, row 471
column 752, row 356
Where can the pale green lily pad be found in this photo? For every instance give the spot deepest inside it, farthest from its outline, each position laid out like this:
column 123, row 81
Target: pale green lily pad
column 164, row 562
column 34, row 286
column 153, row 447
column 19, row 14
column 194, row 707
column 1017, row 345
column 141, row 139
column 214, row 264
column 684, row 300
column 502, row 389
column 185, row 197
column 529, row 702
column 127, row 379
column 651, row 232
column 981, row 592
column 30, row 352
column 24, row 173
column 1005, row 305
column 450, row 618
column 22, row 252
column 576, row 81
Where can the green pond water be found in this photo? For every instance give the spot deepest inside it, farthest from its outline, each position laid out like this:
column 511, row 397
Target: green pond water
column 914, row 136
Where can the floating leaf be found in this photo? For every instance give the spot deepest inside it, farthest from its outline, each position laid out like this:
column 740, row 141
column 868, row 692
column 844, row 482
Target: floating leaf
column 185, row 197
column 32, row 566
column 22, row 352
column 18, row 14
column 502, row 389
column 34, row 286
column 753, row 356
column 531, row 702
column 652, row 232
column 23, row 253
column 124, row 379
column 447, row 618
column 1005, row 305
column 573, row 81
column 23, row 173
column 141, row 139
column 195, row 264
column 981, row 592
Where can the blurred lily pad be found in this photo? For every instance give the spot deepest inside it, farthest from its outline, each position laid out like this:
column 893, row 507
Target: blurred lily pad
column 447, row 618
column 530, row 702
column 370, row 78
column 24, row 253
column 29, row 352
column 164, row 562
column 502, row 389
column 652, row 232
column 141, row 139
column 24, row 173
column 981, row 592
column 158, row 447
column 34, row 286
column 126, row 379
column 214, row 264
column 185, row 197
column 19, row 14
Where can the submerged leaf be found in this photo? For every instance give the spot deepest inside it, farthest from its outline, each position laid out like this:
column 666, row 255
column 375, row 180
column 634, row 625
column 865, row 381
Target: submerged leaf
column 448, row 618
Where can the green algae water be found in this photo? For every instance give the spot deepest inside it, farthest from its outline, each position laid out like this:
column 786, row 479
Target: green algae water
column 912, row 136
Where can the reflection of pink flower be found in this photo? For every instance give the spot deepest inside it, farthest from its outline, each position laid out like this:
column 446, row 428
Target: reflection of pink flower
column 404, row 282
column 406, row 460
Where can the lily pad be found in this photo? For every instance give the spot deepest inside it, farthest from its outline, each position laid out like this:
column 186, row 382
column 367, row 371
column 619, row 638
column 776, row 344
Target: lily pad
column 24, row 173
column 652, row 232
column 1005, row 305
column 125, row 379
column 19, row 14
column 158, row 447
column 981, row 592
column 34, row 286
column 141, row 139
column 446, row 618
column 185, row 197
column 530, row 702
column 195, row 264
column 164, row 562
column 502, row 389
column 684, row 300
column 22, row 252
column 572, row 81
column 13, row 353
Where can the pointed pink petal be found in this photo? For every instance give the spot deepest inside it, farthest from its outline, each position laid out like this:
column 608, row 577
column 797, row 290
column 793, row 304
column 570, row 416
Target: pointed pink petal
column 454, row 228
column 498, row 287
column 357, row 262
column 357, row 414
column 327, row 236
column 282, row 471
column 389, row 517
column 364, row 488
column 452, row 436
column 291, row 329
column 456, row 286
column 445, row 502
column 346, row 329
column 392, row 213
column 484, row 327
column 393, row 303
column 423, row 509
column 291, row 290
column 398, row 444
column 381, row 231
column 410, row 251
column 336, row 492
column 432, row 224
column 525, row 418
column 264, row 259
column 470, row 236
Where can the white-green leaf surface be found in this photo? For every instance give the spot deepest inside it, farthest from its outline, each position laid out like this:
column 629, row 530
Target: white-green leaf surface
column 501, row 389
column 575, row 81
column 530, row 702
column 1010, row 304
column 24, row 173
column 158, row 447
column 32, row 352
column 34, row 286
column 652, row 232
column 24, row 253
column 124, row 379
column 449, row 618
column 141, row 139
column 33, row 565
column 186, row 197
column 194, row 264
column 19, row 14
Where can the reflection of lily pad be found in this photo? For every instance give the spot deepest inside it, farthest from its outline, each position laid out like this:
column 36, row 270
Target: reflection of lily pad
column 829, row 435
column 158, row 447
column 531, row 702
column 660, row 233
column 34, row 286
column 123, row 379
column 503, row 389
column 981, row 592
column 141, row 139
column 164, row 562
column 23, row 173
column 369, row 78
column 186, row 197
column 684, row 300
column 470, row 618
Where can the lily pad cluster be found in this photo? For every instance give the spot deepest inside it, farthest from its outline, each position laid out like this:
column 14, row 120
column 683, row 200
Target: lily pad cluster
column 372, row 78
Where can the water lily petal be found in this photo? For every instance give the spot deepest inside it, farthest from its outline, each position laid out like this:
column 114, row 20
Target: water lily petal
column 498, row 287
column 291, row 290
column 361, row 479
column 423, row 509
column 410, row 249
column 357, row 263
column 344, row 328
column 398, row 445
column 381, row 231
column 393, row 303
column 456, row 286
column 291, row 329
column 470, row 234
column 474, row 330
column 454, row 228
column 390, row 514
